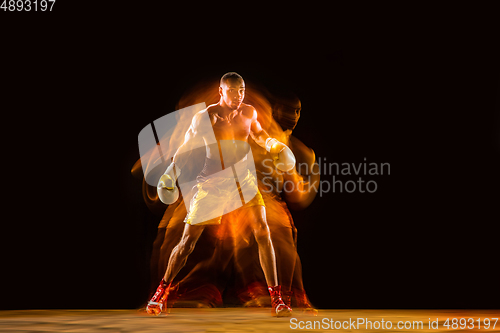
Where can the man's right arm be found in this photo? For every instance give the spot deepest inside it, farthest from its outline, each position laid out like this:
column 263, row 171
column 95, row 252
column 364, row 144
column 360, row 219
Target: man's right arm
column 192, row 139
column 167, row 189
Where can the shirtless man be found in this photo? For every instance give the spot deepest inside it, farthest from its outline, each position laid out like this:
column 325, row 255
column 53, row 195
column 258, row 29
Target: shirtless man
column 232, row 122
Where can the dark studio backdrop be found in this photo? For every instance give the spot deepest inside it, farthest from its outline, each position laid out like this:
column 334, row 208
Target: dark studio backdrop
column 425, row 100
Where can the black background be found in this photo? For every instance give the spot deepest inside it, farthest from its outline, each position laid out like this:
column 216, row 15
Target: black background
column 419, row 91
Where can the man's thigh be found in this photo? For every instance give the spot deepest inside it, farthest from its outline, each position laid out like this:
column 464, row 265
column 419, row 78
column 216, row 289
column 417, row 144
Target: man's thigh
column 255, row 217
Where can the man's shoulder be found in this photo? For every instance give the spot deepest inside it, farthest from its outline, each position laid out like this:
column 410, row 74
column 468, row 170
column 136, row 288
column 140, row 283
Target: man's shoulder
column 198, row 116
column 248, row 110
column 211, row 109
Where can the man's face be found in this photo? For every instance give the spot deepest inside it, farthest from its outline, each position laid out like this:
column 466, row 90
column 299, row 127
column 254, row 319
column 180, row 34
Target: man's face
column 288, row 114
column 232, row 92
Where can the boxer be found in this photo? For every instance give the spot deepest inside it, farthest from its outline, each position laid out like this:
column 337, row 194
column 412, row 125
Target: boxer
column 232, row 122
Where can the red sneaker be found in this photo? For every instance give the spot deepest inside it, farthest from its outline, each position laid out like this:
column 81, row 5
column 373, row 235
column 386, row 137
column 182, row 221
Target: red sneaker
column 159, row 299
column 279, row 308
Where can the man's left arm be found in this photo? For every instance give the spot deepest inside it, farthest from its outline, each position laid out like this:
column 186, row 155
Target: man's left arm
column 283, row 157
column 258, row 134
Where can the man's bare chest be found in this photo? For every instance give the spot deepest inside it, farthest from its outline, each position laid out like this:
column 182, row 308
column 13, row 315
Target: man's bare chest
column 237, row 128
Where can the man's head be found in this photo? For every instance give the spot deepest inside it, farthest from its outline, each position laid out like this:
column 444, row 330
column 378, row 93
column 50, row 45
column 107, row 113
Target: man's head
column 286, row 110
column 232, row 90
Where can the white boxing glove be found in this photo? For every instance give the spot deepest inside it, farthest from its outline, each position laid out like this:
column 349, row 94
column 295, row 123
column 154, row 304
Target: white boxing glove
column 167, row 189
column 283, row 157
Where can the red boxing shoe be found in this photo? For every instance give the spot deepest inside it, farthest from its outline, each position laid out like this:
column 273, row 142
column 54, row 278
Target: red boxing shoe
column 159, row 299
column 279, row 308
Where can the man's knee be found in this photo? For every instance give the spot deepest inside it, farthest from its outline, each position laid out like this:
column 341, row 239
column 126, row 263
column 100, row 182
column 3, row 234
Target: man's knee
column 261, row 232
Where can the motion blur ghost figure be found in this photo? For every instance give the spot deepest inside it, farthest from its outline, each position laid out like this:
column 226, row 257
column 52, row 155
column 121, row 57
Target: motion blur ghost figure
column 296, row 188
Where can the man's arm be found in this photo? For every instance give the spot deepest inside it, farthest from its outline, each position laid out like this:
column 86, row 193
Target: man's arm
column 305, row 177
column 192, row 139
column 283, row 157
column 258, row 134
column 167, row 189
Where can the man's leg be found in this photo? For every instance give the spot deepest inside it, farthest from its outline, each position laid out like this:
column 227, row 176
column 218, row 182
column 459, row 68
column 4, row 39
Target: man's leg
column 286, row 255
column 257, row 218
column 173, row 236
column 182, row 250
column 177, row 260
